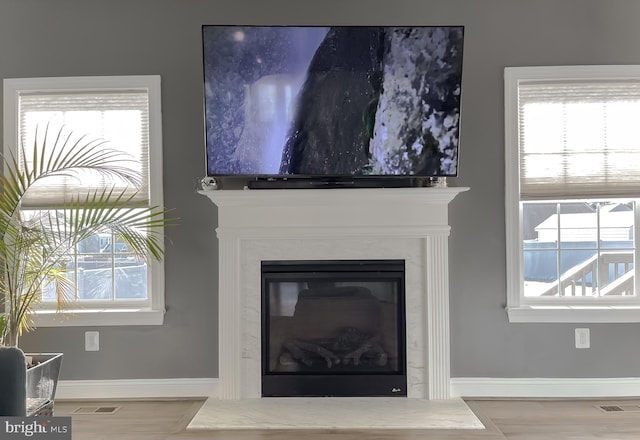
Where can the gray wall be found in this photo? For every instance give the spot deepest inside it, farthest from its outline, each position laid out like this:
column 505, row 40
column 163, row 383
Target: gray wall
column 123, row 37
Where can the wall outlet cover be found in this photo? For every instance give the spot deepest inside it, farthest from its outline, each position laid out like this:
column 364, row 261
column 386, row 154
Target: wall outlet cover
column 92, row 341
column 583, row 338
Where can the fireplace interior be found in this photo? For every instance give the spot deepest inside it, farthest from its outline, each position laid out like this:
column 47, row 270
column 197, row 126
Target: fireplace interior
column 333, row 328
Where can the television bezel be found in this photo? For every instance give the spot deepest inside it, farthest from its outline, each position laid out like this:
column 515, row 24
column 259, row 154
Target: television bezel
column 298, row 180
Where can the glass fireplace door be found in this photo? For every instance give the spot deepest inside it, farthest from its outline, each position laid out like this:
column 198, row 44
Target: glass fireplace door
column 333, row 328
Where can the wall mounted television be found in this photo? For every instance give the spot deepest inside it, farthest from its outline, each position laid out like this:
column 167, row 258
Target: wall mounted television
column 338, row 102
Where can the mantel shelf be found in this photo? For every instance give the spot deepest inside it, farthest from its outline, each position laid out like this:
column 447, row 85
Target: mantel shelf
column 333, row 196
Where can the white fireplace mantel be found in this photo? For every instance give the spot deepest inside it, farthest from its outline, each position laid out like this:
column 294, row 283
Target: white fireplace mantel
column 316, row 224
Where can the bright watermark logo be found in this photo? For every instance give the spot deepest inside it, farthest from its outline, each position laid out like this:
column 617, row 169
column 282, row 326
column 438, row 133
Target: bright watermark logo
column 40, row 428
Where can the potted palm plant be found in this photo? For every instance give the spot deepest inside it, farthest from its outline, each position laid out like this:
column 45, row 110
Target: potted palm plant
column 35, row 247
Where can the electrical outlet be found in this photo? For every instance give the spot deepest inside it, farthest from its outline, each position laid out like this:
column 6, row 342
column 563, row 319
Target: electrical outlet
column 583, row 339
column 91, row 341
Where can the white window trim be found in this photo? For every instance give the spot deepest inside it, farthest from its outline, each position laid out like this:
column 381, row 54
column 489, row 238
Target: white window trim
column 519, row 308
column 118, row 315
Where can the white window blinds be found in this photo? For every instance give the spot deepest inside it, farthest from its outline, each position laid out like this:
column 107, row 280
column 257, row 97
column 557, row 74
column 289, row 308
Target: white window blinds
column 579, row 138
column 120, row 118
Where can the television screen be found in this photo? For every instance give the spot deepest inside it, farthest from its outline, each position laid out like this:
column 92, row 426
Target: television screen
column 332, row 101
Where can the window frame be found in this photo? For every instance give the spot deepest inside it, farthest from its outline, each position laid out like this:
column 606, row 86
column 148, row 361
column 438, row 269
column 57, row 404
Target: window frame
column 103, row 314
column 526, row 309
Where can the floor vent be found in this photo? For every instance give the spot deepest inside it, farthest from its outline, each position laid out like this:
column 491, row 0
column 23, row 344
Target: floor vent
column 610, row 408
column 96, row 410
column 619, row 408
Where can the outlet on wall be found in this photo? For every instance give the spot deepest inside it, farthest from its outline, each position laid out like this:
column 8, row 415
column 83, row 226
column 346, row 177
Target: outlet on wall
column 583, row 339
column 91, row 341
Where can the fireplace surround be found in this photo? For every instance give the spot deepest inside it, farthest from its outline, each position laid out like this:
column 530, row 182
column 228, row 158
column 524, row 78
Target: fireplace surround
column 409, row 224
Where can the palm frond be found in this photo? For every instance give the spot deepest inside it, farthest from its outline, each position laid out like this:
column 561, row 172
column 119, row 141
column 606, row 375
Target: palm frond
column 34, row 249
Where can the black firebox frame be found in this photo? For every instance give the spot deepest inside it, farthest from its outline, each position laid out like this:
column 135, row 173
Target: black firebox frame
column 344, row 384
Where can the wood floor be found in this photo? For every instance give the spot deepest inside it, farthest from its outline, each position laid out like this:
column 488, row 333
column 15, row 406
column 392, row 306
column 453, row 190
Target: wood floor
column 504, row 419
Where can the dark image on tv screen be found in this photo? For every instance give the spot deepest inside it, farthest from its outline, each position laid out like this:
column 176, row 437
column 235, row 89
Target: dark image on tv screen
column 332, row 101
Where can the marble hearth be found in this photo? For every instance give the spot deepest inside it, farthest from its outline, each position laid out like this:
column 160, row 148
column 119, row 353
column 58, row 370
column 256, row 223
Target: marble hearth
column 409, row 224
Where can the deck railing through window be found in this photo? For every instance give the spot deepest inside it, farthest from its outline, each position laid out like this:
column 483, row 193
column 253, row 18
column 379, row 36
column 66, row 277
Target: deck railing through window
column 613, row 271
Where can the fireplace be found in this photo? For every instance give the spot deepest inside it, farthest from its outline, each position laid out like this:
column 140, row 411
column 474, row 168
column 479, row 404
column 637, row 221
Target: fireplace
column 333, row 328
column 406, row 224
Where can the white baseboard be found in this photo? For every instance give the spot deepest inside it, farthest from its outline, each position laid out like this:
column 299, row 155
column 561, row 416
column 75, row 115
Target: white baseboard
column 460, row 387
column 137, row 388
column 545, row 388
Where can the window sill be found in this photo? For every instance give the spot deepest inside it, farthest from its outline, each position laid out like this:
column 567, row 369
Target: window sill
column 98, row 317
column 574, row 314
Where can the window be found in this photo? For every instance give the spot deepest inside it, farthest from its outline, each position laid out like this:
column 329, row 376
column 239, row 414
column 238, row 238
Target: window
column 572, row 181
column 112, row 285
